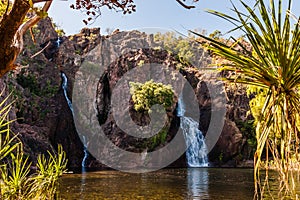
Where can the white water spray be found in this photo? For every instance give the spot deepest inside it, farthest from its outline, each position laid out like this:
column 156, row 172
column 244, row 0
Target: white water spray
column 196, row 153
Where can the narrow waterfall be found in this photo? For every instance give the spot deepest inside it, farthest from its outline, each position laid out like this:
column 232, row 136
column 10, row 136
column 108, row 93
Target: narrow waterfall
column 65, row 87
column 85, row 151
column 86, row 154
column 196, row 153
column 58, row 41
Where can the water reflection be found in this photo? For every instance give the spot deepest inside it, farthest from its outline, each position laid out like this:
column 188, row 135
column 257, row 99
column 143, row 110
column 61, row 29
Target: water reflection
column 197, row 183
column 167, row 184
column 274, row 186
column 83, row 185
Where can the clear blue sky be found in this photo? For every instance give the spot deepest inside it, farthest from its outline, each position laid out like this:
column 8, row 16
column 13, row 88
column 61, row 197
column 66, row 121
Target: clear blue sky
column 165, row 14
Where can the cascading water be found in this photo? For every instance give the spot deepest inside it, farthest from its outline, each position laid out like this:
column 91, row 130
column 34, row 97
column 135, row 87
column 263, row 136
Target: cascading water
column 196, row 153
column 86, row 154
column 65, row 87
column 58, row 41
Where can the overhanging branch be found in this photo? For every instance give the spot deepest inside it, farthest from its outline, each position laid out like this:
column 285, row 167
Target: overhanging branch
column 39, row 1
column 31, row 22
column 184, row 5
column 12, row 30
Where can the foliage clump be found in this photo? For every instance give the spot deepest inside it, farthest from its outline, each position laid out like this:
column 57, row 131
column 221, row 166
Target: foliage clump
column 145, row 95
column 17, row 181
column 272, row 68
column 3, row 8
column 179, row 46
column 30, row 82
column 184, row 49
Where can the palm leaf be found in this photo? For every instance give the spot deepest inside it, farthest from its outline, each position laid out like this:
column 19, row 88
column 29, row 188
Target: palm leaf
column 273, row 66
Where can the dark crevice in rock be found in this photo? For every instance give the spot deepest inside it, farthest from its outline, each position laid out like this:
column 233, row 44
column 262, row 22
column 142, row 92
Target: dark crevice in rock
column 103, row 100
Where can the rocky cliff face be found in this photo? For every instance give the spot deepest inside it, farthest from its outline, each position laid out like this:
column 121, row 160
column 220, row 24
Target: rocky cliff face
column 45, row 120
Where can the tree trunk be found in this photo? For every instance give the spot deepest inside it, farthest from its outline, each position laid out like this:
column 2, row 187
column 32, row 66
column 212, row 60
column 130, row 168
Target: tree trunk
column 9, row 41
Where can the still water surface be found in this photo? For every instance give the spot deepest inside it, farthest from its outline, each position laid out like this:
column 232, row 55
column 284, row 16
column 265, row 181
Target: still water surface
column 166, row 184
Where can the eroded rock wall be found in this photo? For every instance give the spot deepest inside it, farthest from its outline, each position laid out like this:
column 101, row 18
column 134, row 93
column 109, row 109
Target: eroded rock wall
column 45, row 120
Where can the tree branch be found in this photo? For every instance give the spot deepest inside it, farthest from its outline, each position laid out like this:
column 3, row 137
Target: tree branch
column 31, row 22
column 184, row 5
column 9, row 25
column 19, row 43
column 39, row 52
column 39, row 1
column 12, row 30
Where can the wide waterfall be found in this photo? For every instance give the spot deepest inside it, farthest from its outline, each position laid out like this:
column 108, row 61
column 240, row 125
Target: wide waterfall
column 85, row 151
column 196, row 153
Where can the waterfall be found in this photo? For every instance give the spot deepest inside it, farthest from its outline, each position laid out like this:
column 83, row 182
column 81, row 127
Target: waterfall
column 65, row 87
column 58, row 41
column 196, row 153
column 86, row 154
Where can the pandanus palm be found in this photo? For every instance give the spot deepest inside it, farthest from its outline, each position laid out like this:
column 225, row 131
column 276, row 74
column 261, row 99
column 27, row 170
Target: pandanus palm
column 272, row 66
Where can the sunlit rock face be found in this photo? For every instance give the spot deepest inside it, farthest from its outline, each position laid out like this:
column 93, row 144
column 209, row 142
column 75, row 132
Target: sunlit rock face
column 45, row 120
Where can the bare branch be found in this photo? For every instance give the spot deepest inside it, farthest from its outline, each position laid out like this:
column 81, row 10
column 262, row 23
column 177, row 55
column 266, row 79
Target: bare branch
column 39, row 1
column 184, row 5
column 31, row 22
column 32, row 35
column 41, row 50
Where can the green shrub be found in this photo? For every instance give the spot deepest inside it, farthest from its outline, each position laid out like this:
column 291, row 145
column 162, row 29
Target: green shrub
column 178, row 46
column 29, row 81
column 145, row 95
column 158, row 139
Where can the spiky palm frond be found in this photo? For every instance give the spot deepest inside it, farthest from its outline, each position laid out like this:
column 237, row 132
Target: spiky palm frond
column 15, row 181
column 272, row 65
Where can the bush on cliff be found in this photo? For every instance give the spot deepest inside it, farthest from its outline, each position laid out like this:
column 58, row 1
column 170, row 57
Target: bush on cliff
column 150, row 93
